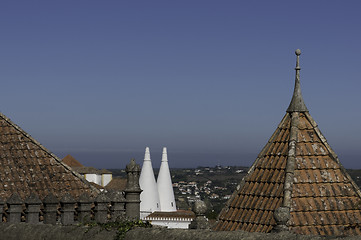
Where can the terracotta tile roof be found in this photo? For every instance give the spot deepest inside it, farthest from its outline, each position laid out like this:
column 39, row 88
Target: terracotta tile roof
column 177, row 214
column 117, row 183
column 104, row 171
column 28, row 167
column 80, row 168
column 71, row 161
column 97, row 186
column 297, row 169
column 86, row 170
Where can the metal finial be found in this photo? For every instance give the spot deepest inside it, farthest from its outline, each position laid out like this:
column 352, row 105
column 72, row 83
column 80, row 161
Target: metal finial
column 298, row 53
column 297, row 104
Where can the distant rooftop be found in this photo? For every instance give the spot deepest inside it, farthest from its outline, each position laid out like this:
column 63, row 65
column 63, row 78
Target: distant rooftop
column 117, row 183
column 71, row 161
column 80, row 168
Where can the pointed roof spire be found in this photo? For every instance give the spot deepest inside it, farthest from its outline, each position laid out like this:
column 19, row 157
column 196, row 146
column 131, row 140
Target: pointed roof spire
column 297, row 104
column 294, row 178
column 149, row 197
column 164, row 155
column 165, row 187
column 147, row 154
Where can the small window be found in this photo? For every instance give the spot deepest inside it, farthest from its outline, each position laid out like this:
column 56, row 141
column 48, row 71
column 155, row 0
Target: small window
column 171, row 204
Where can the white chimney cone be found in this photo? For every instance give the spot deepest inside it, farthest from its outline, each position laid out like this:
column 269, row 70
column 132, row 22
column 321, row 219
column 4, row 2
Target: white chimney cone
column 149, row 197
column 165, row 188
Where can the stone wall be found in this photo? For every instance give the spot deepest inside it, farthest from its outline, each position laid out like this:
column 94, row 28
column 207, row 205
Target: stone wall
column 199, row 234
column 23, row 231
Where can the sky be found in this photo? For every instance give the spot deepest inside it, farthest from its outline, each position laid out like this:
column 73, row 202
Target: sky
column 209, row 80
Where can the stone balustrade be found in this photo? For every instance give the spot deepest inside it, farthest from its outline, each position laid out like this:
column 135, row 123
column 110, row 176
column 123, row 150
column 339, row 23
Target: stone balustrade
column 107, row 206
column 65, row 211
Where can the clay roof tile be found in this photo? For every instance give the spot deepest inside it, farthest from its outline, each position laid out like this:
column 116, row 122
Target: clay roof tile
column 30, row 167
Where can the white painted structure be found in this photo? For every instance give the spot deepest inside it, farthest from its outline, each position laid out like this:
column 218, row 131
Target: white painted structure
column 100, row 177
column 165, row 187
column 157, row 199
column 106, row 178
column 92, row 177
column 149, row 198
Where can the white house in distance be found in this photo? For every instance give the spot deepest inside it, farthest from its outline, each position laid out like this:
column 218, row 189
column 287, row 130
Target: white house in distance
column 177, row 219
column 158, row 204
column 100, row 177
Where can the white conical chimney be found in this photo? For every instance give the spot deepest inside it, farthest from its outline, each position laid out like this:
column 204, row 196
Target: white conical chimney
column 165, row 188
column 149, row 197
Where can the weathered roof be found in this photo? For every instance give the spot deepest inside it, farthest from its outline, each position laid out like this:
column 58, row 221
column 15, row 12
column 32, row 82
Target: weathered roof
column 28, row 167
column 80, row 168
column 104, row 171
column 96, row 185
column 86, row 170
column 298, row 171
column 71, row 161
column 117, row 183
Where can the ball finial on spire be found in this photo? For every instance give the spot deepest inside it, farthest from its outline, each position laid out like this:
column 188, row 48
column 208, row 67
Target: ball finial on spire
column 298, row 52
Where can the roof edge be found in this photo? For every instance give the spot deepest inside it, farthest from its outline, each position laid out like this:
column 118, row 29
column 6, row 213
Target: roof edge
column 250, row 170
column 47, row 151
column 333, row 155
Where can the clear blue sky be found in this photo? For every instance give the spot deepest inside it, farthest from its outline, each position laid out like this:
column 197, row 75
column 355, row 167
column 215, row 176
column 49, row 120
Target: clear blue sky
column 210, row 80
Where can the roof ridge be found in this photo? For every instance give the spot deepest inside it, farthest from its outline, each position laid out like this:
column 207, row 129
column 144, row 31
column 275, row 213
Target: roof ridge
column 282, row 213
column 8, row 120
column 291, row 161
column 297, row 104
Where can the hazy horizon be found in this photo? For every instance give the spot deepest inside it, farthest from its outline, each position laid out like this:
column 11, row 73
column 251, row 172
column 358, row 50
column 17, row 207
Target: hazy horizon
column 118, row 160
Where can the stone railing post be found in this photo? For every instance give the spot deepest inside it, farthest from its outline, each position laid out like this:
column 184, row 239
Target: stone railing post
column 32, row 204
column 15, row 208
column 50, row 209
column 2, row 203
column 132, row 191
column 101, row 208
column 84, row 207
column 117, row 205
column 200, row 222
column 67, row 209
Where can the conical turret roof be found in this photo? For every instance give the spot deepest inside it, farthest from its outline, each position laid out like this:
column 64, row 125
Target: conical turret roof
column 149, row 198
column 165, row 187
column 298, row 173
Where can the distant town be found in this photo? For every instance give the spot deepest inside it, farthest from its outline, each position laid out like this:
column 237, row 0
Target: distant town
column 214, row 185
